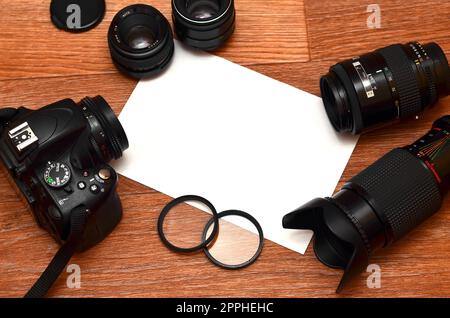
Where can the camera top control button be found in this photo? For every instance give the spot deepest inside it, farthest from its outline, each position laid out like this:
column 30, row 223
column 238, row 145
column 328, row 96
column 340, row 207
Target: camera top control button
column 94, row 188
column 104, row 174
column 81, row 185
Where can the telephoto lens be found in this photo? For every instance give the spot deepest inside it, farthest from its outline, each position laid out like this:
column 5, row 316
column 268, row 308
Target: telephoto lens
column 391, row 83
column 379, row 205
column 204, row 24
column 140, row 41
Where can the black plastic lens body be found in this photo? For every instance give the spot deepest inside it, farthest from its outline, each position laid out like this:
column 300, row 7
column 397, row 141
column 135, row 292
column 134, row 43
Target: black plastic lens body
column 140, row 41
column 394, row 82
column 379, row 205
column 204, row 24
column 107, row 133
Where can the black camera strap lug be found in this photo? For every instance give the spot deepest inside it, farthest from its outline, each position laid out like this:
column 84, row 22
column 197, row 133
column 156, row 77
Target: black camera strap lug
column 78, row 220
column 6, row 114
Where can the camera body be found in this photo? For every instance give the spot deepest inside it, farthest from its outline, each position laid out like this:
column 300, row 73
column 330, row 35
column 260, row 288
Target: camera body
column 58, row 156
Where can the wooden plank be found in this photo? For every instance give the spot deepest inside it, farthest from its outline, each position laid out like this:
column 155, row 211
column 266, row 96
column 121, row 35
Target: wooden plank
column 32, row 47
column 132, row 261
column 338, row 29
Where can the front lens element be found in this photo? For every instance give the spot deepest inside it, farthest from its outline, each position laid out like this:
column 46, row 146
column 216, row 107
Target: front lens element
column 203, row 9
column 140, row 37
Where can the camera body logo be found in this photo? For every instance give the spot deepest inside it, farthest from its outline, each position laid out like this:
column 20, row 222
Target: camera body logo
column 74, row 19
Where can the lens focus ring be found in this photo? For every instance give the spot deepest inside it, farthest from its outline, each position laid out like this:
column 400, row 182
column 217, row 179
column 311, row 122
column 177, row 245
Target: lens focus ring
column 405, row 80
column 403, row 191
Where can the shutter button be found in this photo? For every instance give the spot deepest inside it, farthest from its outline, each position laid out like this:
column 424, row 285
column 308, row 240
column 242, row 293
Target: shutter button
column 104, row 174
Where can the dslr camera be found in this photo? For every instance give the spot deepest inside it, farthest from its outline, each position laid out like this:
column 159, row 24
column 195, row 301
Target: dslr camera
column 58, row 157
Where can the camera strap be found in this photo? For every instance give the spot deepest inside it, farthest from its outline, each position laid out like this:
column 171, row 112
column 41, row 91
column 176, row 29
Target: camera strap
column 78, row 220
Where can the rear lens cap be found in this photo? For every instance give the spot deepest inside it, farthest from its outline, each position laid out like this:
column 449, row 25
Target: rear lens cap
column 77, row 15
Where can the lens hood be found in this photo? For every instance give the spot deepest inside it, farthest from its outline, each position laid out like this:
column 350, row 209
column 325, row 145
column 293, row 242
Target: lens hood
column 140, row 41
column 203, row 24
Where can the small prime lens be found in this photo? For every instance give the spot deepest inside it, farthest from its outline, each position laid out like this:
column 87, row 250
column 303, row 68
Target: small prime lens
column 107, row 132
column 394, row 82
column 204, row 24
column 140, row 41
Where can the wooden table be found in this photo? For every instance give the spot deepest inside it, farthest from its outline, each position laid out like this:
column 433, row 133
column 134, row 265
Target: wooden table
column 293, row 41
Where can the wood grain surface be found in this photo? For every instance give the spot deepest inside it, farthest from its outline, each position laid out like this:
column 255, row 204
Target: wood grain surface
column 290, row 40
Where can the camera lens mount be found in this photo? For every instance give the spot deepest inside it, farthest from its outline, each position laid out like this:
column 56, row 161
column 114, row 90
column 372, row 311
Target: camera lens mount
column 204, row 24
column 106, row 129
column 140, row 41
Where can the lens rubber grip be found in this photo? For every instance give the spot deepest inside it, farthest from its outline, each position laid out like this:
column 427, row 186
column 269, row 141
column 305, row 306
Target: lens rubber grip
column 405, row 79
column 401, row 189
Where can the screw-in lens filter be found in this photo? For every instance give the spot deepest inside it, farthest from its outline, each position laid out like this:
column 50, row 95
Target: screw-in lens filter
column 241, row 247
column 248, row 248
column 165, row 236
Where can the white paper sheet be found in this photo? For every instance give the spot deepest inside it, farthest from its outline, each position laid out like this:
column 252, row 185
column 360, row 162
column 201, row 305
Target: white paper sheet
column 242, row 140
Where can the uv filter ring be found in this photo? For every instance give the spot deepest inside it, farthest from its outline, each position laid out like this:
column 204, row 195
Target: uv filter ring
column 205, row 241
column 243, row 215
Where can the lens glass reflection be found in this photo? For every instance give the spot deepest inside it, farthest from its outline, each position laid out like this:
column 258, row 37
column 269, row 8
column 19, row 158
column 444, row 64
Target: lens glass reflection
column 203, row 9
column 185, row 223
column 234, row 245
column 140, row 37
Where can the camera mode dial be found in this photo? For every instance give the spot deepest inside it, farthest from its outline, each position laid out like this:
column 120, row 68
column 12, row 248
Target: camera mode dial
column 57, row 174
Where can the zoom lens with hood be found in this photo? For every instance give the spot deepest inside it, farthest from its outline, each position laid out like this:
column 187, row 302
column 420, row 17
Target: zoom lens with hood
column 379, row 205
column 392, row 83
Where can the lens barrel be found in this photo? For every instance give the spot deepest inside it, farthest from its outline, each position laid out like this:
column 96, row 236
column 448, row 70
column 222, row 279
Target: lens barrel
column 204, row 24
column 140, row 41
column 395, row 82
column 379, row 205
column 107, row 132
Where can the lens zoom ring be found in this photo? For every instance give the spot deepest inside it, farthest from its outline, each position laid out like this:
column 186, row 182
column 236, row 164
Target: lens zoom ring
column 405, row 79
column 402, row 189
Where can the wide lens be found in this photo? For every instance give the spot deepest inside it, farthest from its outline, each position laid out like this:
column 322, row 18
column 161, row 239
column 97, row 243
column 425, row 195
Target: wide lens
column 395, row 82
column 204, row 24
column 140, row 41
column 106, row 130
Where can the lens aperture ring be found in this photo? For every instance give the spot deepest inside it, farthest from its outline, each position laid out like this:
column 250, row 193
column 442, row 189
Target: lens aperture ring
column 405, row 80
